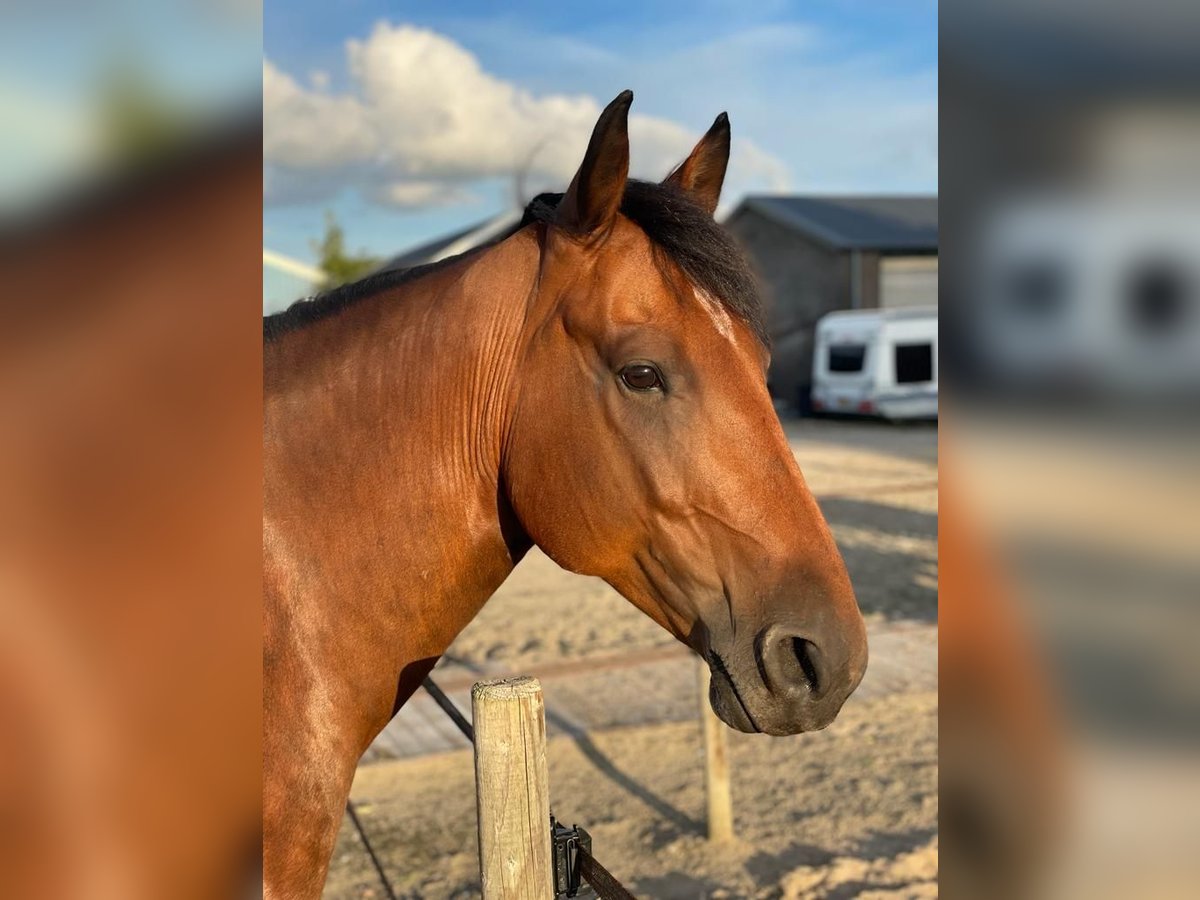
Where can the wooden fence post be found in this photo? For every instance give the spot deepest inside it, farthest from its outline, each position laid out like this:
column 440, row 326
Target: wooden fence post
column 512, row 792
column 716, row 763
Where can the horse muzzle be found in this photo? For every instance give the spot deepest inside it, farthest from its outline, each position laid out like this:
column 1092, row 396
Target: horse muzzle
column 788, row 680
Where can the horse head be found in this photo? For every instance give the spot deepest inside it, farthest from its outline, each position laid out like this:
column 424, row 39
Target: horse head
column 643, row 446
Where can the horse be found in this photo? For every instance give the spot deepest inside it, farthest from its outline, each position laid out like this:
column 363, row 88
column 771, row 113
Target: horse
column 593, row 384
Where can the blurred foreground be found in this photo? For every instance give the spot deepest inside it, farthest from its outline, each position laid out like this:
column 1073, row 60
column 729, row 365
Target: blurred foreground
column 1071, row 559
column 130, row 658
column 130, row 410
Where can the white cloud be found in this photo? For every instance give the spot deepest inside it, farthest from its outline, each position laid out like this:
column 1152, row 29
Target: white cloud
column 307, row 130
column 419, row 194
column 424, row 118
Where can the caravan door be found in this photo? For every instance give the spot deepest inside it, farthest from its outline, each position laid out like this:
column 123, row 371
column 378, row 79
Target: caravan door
column 906, row 377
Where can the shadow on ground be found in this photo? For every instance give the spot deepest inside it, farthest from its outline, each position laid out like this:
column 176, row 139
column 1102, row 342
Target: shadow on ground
column 889, row 579
column 605, row 766
column 877, row 864
column 914, row 440
column 675, row 886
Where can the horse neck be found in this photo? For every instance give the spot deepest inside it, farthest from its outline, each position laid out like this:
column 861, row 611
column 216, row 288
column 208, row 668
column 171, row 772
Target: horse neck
column 384, row 433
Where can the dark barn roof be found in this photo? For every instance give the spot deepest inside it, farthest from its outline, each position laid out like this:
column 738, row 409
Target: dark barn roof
column 426, row 252
column 884, row 223
column 496, row 228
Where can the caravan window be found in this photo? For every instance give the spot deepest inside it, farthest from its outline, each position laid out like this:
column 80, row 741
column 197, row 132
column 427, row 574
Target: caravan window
column 914, row 363
column 847, row 357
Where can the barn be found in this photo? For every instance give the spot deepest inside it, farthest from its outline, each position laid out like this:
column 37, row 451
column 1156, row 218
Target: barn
column 818, row 254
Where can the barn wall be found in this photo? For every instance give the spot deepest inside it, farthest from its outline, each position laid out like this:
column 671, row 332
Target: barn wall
column 907, row 281
column 801, row 280
column 870, row 279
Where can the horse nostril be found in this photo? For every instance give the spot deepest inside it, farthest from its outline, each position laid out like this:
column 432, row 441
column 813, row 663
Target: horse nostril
column 804, row 655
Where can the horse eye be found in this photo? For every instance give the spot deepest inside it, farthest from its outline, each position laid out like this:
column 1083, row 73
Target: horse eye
column 640, row 377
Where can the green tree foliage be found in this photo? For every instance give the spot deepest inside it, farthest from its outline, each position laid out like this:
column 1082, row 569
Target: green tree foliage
column 139, row 121
column 339, row 266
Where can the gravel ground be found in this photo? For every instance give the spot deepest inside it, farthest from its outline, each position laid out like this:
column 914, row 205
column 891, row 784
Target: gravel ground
column 847, row 812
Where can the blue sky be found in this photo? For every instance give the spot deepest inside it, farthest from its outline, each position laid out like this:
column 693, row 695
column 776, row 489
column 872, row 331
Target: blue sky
column 824, row 96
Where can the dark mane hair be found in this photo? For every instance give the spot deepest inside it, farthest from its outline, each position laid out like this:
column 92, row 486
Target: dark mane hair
column 704, row 250
column 330, row 303
column 688, row 235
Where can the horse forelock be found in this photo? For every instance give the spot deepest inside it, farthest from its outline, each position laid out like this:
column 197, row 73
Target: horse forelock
column 703, row 249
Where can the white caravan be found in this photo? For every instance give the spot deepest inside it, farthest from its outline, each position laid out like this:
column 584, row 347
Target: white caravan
column 877, row 362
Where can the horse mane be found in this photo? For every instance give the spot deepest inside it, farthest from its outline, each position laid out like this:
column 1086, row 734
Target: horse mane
column 688, row 235
column 330, row 303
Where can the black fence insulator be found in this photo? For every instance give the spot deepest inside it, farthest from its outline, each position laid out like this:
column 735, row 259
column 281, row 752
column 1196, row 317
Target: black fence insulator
column 569, row 845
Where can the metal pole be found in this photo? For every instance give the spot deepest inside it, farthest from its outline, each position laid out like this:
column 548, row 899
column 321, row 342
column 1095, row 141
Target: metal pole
column 855, row 279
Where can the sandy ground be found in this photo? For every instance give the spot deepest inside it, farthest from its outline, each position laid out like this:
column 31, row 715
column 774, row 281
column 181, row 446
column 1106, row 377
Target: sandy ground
column 847, row 812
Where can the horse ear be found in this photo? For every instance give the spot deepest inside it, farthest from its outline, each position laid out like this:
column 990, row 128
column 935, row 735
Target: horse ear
column 595, row 194
column 701, row 175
